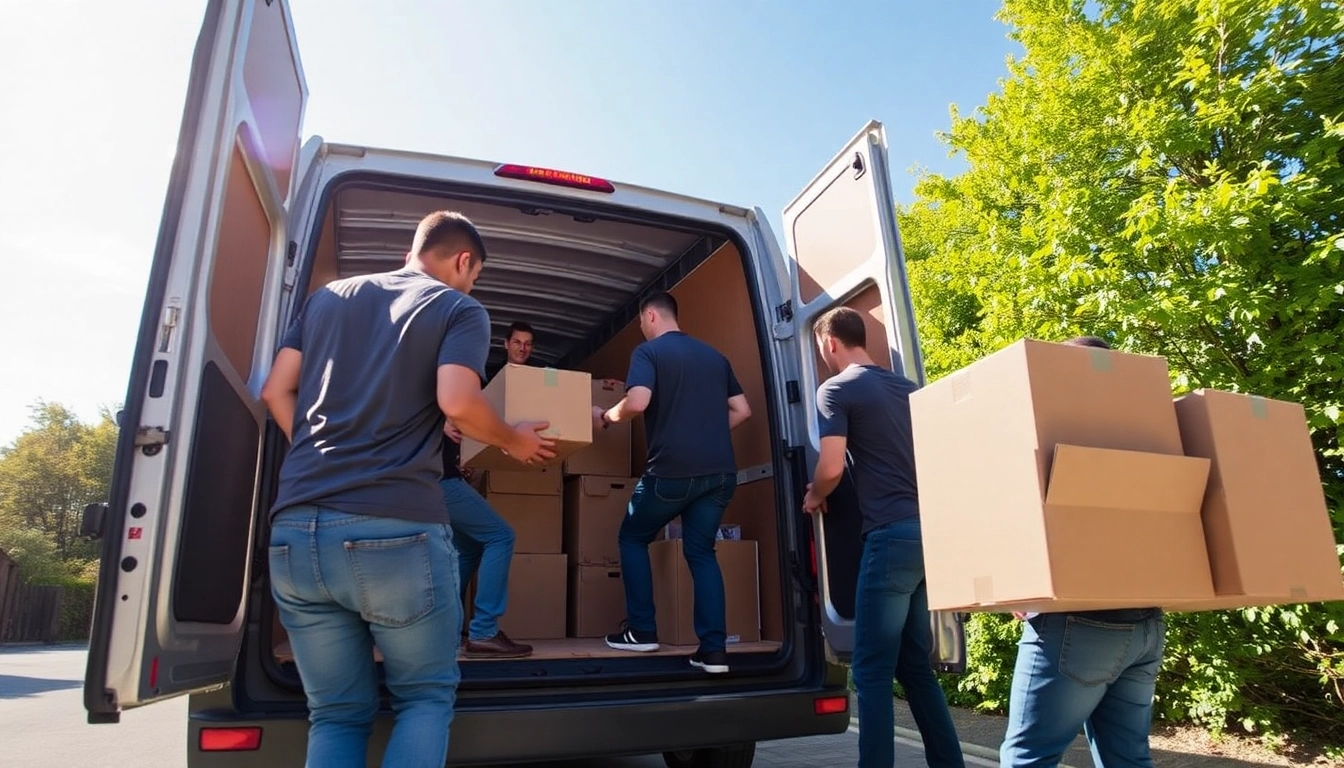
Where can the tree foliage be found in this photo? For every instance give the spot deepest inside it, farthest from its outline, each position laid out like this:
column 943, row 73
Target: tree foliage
column 1168, row 174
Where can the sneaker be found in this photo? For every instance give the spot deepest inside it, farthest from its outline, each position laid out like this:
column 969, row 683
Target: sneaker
column 713, row 662
column 631, row 640
column 497, row 647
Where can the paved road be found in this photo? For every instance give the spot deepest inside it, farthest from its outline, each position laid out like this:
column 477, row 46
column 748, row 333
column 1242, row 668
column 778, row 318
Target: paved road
column 42, row 718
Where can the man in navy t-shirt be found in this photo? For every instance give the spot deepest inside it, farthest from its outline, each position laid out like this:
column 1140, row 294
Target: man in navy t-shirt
column 360, row 548
column 691, row 401
column 863, row 411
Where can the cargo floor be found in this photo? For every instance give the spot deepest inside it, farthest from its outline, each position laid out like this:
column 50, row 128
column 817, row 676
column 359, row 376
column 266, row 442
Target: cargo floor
column 585, row 648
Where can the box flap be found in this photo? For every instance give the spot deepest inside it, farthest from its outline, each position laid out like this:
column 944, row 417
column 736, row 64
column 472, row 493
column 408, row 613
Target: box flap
column 602, row 487
column 545, row 481
column 1102, row 478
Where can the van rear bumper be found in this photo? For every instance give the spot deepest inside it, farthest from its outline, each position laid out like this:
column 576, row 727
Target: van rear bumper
column 558, row 733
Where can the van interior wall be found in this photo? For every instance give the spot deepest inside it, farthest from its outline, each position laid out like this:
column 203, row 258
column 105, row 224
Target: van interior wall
column 713, row 306
column 325, row 266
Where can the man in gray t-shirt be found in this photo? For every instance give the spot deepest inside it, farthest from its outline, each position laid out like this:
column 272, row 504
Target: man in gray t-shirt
column 360, row 547
column 864, row 413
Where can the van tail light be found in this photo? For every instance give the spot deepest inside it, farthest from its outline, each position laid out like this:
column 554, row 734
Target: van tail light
column 552, row 176
column 831, row 705
column 230, row 739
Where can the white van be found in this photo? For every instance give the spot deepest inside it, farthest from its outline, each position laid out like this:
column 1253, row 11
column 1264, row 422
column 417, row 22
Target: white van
column 253, row 222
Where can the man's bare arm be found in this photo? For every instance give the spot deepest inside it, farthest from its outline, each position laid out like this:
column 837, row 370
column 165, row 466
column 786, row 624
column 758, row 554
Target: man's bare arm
column 830, row 465
column 281, row 390
column 738, row 411
column 635, row 402
column 461, row 400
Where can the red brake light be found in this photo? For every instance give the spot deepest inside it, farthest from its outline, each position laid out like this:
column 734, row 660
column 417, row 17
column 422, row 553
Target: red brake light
column 832, row 705
column 550, row 176
column 230, row 739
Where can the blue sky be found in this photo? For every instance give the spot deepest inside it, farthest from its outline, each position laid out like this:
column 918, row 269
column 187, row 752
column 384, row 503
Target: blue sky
column 739, row 101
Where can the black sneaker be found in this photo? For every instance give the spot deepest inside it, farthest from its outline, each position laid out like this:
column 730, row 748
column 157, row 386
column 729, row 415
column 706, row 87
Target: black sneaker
column 713, row 662
column 630, row 640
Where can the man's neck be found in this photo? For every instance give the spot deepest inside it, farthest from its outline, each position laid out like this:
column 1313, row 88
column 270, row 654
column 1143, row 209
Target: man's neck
column 673, row 328
column 848, row 357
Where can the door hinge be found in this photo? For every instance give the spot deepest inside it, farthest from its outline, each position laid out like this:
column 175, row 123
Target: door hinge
column 167, row 323
column 784, row 312
column 150, row 440
column 291, row 264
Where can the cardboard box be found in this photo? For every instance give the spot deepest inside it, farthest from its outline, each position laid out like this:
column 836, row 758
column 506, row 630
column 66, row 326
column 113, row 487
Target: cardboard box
column 674, row 592
column 594, row 509
column 1265, row 520
column 1051, row 478
column 609, row 453
column 531, row 503
column 537, row 598
column 596, row 600
column 524, row 393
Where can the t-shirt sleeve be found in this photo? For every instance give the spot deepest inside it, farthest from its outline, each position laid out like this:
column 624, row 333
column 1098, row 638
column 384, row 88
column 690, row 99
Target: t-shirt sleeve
column 293, row 337
column 832, row 411
column 467, row 340
column 642, row 372
column 734, row 388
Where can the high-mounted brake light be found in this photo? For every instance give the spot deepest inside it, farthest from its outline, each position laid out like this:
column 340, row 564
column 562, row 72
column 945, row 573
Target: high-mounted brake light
column 550, row 176
column 230, row 739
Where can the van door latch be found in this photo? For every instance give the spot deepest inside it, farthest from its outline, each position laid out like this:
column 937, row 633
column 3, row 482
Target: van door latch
column 150, row 440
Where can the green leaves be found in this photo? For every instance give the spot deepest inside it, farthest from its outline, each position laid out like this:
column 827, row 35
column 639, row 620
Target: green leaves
column 1169, row 173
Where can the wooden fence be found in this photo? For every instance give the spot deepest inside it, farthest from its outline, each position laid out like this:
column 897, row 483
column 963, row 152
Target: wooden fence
column 29, row 613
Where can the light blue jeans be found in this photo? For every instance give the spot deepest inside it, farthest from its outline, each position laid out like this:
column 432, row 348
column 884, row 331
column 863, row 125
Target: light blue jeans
column 344, row 582
column 484, row 540
column 1080, row 672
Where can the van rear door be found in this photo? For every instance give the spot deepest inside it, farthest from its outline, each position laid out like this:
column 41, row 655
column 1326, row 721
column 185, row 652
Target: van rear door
column 844, row 249
column 169, row 612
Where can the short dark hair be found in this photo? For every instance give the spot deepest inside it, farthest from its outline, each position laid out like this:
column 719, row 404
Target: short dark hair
column 1089, row 341
column 518, row 326
column 661, row 301
column 844, row 325
column 450, row 231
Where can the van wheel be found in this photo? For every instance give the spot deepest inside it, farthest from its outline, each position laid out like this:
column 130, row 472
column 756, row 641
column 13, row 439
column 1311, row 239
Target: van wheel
column 735, row 756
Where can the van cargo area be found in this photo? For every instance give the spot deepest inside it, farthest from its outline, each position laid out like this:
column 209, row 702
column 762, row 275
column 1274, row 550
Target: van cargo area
column 576, row 273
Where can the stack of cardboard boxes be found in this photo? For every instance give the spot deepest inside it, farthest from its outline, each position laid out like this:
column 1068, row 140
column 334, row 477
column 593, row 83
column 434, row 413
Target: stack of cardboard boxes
column 1060, row 478
column 565, row 580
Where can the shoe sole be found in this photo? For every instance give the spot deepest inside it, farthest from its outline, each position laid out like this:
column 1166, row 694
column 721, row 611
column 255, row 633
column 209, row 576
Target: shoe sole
column 713, row 669
column 634, row 647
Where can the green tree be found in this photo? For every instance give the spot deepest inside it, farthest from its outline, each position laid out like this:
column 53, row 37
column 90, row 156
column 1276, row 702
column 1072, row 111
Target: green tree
column 1169, row 174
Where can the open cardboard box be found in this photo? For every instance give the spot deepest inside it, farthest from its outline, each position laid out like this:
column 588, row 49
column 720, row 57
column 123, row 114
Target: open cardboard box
column 1052, row 478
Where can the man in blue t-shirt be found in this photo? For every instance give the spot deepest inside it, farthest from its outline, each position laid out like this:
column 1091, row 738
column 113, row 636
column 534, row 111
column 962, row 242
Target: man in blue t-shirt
column 691, row 402
column 360, row 548
column 864, row 412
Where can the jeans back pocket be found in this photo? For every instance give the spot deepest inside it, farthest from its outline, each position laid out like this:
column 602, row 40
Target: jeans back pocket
column 393, row 578
column 1094, row 652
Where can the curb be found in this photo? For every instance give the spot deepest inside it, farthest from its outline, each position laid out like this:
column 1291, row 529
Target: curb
column 974, row 750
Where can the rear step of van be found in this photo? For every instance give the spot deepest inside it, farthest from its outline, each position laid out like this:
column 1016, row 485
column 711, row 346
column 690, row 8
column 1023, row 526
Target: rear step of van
column 580, row 648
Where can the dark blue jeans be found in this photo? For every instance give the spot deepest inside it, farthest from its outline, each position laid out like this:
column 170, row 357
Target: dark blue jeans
column 893, row 637
column 699, row 502
column 484, row 540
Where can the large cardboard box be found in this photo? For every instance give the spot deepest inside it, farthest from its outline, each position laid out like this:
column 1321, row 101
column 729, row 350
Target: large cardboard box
column 531, row 503
column 525, row 393
column 594, row 509
column 1051, row 478
column 596, row 600
column 674, row 592
column 537, row 598
column 1265, row 521
column 609, row 453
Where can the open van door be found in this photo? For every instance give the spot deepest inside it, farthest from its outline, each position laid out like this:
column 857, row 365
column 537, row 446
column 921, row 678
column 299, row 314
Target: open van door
column 844, row 249
column 177, row 529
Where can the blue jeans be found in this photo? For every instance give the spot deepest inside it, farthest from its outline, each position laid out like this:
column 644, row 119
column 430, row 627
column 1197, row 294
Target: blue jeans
column 484, row 540
column 700, row 503
column 893, row 638
column 1074, row 672
column 344, row 582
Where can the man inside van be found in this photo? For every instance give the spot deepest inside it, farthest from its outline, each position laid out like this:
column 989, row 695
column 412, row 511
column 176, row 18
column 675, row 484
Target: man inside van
column 517, row 347
column 360, row 550
column 1091, row 670
column 863, row 411
column 691, row 401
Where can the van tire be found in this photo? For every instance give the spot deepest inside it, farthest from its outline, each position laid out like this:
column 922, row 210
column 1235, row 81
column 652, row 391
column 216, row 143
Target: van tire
column 735, row 756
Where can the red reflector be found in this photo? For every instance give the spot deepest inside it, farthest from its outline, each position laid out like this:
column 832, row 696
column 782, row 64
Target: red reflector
column 833, row 705
column 154, row 672
column 550, row 176
column 230, row 739
column 812, row 552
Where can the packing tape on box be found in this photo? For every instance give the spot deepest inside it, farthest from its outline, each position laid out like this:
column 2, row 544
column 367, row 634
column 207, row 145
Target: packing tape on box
column 961, row 386
column 550, row 377
column 1259, row 408
column 1101, row 358
column 984, row 589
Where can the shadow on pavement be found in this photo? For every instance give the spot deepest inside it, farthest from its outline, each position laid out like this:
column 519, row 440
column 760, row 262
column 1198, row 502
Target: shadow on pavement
column 15, row 687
